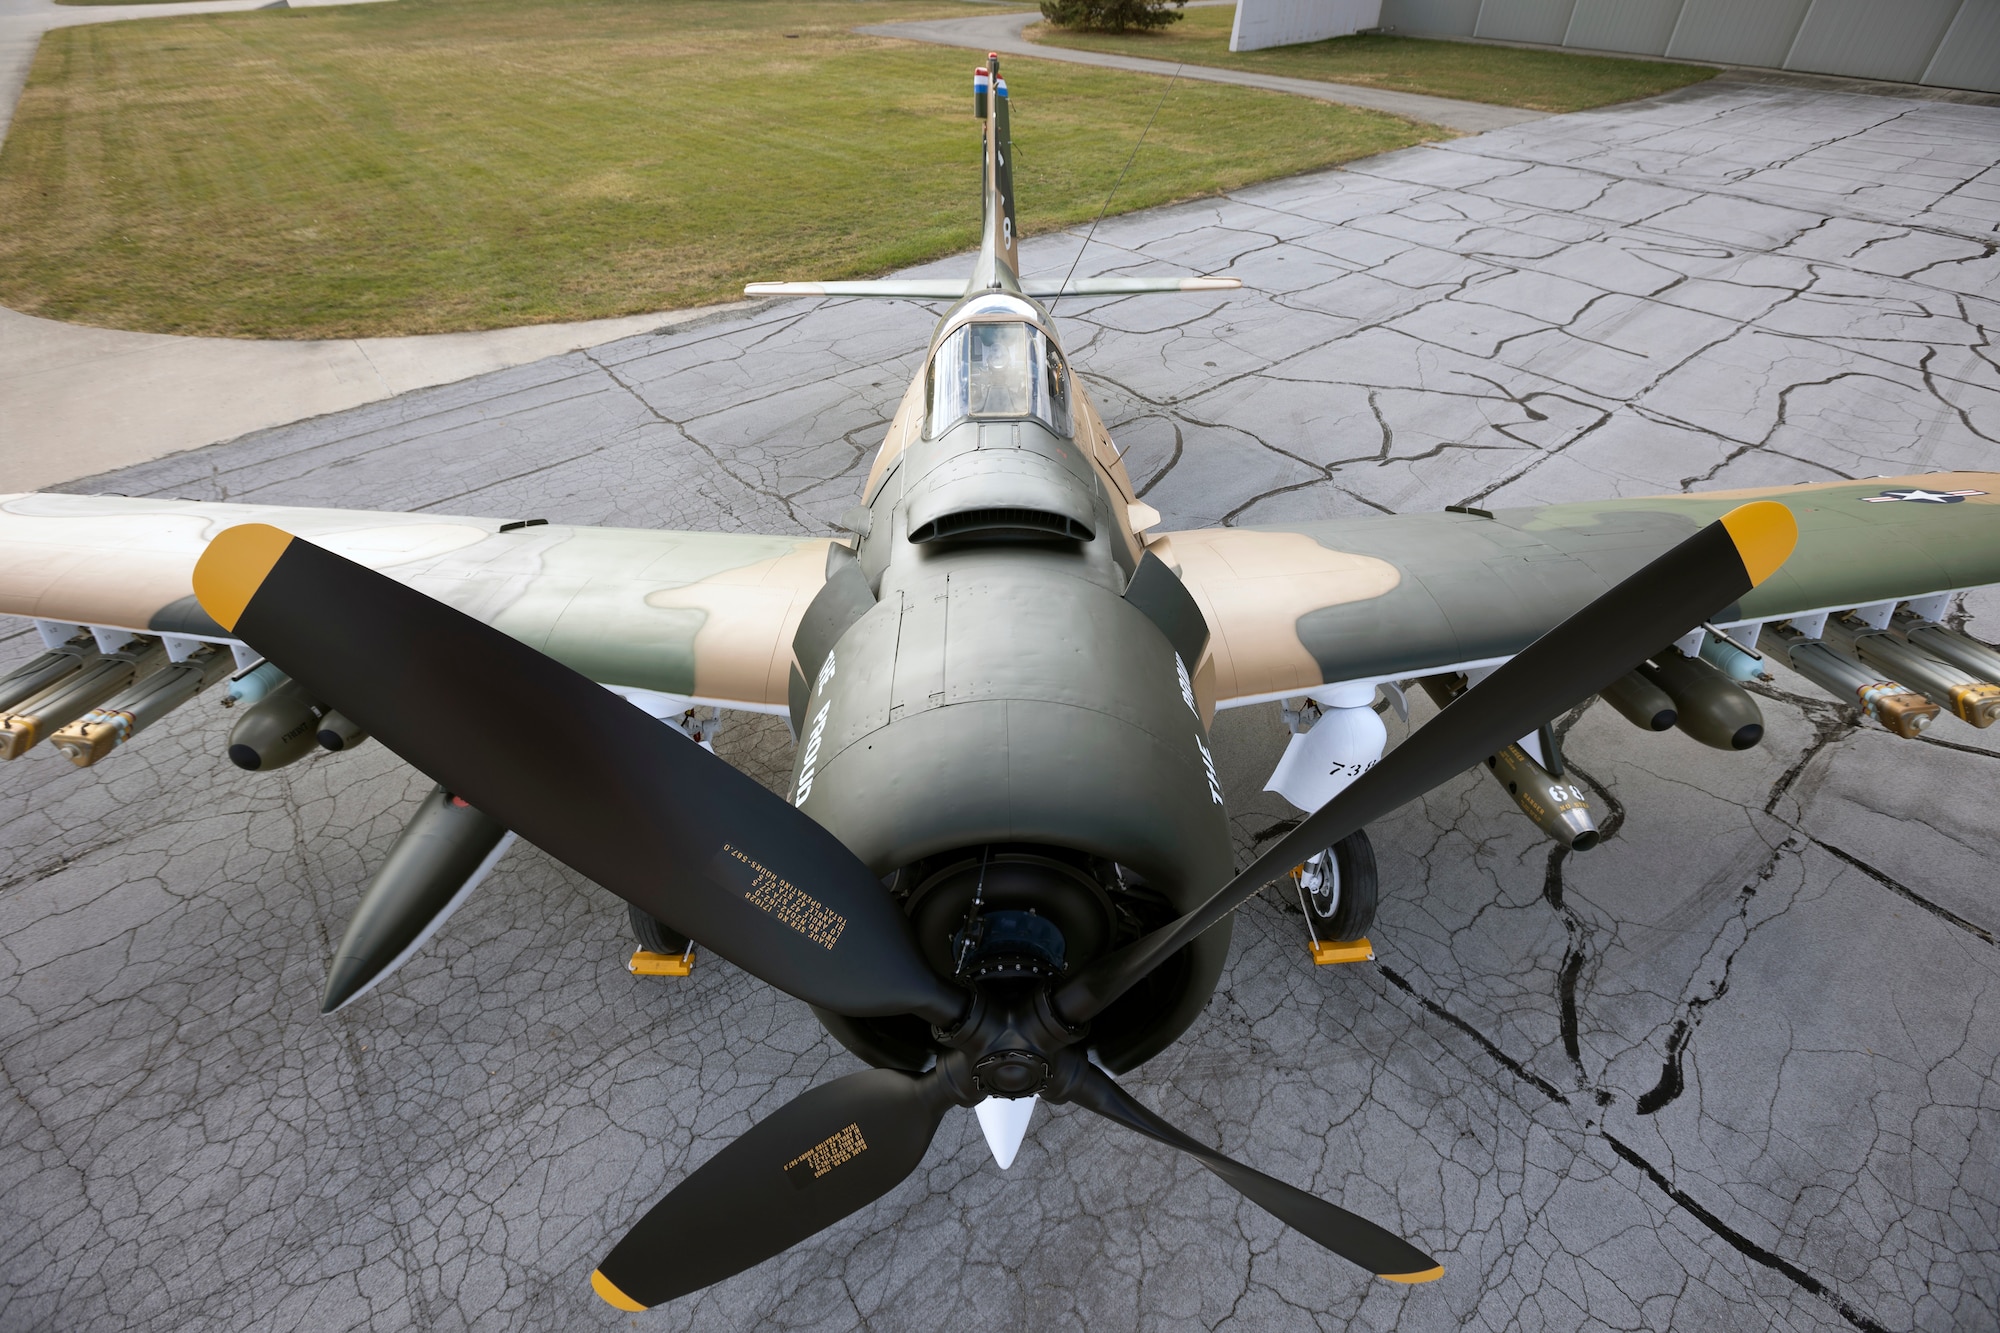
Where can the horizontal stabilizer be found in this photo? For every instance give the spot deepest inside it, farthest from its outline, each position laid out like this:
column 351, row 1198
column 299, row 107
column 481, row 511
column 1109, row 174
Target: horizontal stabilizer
column 909, row 289
column 1130, row 286
column 950, row 289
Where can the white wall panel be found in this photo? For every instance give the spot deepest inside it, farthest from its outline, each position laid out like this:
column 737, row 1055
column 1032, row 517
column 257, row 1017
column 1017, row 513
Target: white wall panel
column 1262, row 23
column 1639, row 26
column 1969, row 55
column 1871, row 39
column 1525, row 20
column 1431, row 18
column 1738, row 32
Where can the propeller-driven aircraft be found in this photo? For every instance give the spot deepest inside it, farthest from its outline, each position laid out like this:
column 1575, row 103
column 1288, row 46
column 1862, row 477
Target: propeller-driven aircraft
column 1004, row 870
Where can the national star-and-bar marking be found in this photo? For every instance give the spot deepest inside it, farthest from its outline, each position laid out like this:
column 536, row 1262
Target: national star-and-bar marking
column 1919, row 495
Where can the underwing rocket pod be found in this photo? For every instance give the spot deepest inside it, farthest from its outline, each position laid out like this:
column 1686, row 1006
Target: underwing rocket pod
column 75, row 695
column 338, row 732
column 1948, row 645
column 1640, row 702
column 109, row 725
column 280, row 729
column 1712, row 708
column 1971, row 699
column 1897, row 707
column 443, row 853
column 1557, row 805
column 37, row 674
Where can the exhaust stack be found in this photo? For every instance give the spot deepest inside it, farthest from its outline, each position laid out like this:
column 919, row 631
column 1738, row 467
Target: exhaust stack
column 109, row 725
column 1897, row 707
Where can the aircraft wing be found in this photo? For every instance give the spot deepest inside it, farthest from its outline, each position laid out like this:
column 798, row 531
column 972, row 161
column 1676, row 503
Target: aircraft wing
column 700, row 615
column 1294, row 606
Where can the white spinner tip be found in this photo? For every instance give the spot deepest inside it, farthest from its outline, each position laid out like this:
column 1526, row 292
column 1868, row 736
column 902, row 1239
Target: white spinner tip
column 1005, row 1121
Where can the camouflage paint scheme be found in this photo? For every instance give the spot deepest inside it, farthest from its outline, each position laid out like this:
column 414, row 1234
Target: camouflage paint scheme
column 703, row 615
column 1294, row 606
column 983, row 663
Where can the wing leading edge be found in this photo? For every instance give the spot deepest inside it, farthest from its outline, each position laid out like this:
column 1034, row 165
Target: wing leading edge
column 1296, row 606
column 704, row 616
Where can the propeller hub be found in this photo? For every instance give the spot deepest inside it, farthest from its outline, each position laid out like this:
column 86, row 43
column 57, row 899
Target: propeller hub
column 1011, row 1044
column 1010, row 1074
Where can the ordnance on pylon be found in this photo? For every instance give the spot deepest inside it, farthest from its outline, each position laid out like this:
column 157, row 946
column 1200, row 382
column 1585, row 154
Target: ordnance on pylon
column 74, row 695
column 112, row 723
column 38, row 673
column 338, row 732
column 1729, row 657
column 1970, row 698
column 1897, row 707
column 1949, row 645
column 279, row 729
column 1557, row 806
column 1711, row 707
column 251, row 684
column 1640, row 702
column 443, row 853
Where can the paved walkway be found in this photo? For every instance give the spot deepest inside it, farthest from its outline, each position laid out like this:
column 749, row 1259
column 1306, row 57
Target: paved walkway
column 78, row 400
column 1002, row 33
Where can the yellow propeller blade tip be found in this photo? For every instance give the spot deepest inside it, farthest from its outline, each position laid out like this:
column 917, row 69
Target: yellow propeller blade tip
column 1765, row 533
column 1428, row 1275
column 608, row 1290
column 234, row 566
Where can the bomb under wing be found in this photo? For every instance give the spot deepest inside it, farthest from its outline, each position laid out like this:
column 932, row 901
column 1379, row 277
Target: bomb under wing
column 443, row 853
column 1897, row 707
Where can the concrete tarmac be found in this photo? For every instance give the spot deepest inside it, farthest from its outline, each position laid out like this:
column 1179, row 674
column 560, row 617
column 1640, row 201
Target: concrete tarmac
column 1736, row 1069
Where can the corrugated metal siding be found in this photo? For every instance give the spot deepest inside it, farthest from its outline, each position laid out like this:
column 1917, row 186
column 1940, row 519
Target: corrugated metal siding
column 1738, row 32
column 1431, row 18
column 1868, row 39
column 1969, row 55
column 1945, row 43
column 1525, row 20
column 1639, row 26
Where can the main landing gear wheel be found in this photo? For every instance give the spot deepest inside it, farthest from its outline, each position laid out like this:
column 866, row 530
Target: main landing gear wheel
column 656, row 938
column 1339, row 888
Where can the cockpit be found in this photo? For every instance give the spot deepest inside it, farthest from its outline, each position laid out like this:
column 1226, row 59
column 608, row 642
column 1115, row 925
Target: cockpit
column 998, row 365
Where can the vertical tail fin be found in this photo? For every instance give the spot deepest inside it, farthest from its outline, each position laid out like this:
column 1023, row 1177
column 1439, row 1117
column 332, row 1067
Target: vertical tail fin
column 999, row 262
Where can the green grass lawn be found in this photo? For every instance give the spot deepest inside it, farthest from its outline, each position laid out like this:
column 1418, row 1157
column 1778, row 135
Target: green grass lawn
column 433, row 165
column 1504, row 75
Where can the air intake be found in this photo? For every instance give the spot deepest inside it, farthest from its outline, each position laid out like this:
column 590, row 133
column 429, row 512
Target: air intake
column 1001, row 524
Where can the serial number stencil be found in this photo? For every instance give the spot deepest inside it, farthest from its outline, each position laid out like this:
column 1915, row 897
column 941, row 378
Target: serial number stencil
column 782, row 900
column 816, row 1161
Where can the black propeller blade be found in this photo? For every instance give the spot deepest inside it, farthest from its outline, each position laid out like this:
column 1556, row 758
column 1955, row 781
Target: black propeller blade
column 1655, row 606
column 824, row 1155
column 579, row 772
column 1353, row 1238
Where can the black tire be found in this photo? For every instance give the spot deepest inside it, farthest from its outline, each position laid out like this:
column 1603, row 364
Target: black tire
column 652, row 936
column 1347, row 911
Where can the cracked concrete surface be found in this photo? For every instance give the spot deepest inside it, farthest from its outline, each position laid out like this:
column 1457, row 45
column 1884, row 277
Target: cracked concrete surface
column 1736, row 1069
